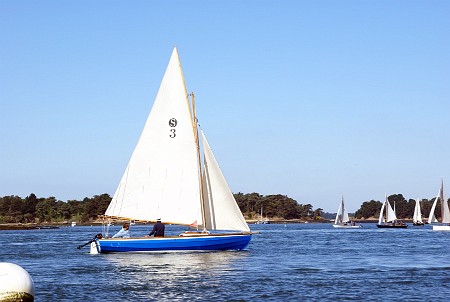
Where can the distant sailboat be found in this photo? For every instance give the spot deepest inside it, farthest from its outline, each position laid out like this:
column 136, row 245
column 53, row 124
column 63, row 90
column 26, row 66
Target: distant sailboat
column 388, row 218
column 417, row 217
column 263, row 220
column 445, row 211
column 165, row 179
column 342, row 220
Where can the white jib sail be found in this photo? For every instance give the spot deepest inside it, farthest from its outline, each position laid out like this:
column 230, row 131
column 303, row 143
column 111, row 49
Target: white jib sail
column 161, row 179
column 381, row 218
column 221, row 209
column 390, row 213
column 432, row 217
column 417, row 217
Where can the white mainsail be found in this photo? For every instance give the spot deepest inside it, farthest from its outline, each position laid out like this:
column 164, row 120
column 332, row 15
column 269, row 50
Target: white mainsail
column 221, row 209
column 162, row 176
column 417, row 217
column 342, row 214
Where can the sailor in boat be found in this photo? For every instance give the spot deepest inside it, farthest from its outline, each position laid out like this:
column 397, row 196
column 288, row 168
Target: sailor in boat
column 158, row 229
column 124, row 232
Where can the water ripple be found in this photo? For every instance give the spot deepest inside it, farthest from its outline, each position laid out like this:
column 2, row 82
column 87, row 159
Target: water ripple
column 296, row 263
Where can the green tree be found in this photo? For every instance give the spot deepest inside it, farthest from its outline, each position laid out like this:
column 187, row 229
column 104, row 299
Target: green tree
column 46, row 209
column 369, row 209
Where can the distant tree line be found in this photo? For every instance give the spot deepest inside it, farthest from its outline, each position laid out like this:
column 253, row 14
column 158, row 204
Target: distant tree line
column 14, row 209
column 274, row 206
column 31, row 209
column 404, row 208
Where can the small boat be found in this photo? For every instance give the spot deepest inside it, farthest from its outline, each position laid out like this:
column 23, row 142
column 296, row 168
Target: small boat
column 445, row 212
column 46, row 227
column 388, row 219
column 73, row 223
column 342, row 220
column 417, row 217
column 166, row 179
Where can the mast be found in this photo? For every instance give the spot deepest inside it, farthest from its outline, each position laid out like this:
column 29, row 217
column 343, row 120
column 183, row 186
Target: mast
column 261, row 213
column 202, row 197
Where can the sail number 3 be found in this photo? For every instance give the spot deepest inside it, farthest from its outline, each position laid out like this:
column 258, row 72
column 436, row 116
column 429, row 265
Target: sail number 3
column 172, row 123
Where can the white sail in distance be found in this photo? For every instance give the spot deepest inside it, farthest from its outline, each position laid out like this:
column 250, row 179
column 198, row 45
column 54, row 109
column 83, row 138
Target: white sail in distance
column 221, row 209
column 381, row 218
column 390, row 213
column 342, row 214
column 162, row 176
column 444, row 205
column 432, row 217
column 445, row 211
column 417, row 217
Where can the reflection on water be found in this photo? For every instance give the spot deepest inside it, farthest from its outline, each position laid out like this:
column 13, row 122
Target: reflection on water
column 169, row 272
column 176, row 261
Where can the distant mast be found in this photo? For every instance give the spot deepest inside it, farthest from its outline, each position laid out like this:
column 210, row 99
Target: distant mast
column 441, row 196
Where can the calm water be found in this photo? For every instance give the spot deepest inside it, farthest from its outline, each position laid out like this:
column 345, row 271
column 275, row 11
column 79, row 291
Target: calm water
column 296, row 262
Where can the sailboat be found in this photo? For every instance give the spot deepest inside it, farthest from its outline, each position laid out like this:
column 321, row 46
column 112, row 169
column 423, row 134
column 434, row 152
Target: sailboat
column 166, row 179
column 263, row 220
column 388, row 218
column 445, row 211
column 417, row 216
column 342, row 220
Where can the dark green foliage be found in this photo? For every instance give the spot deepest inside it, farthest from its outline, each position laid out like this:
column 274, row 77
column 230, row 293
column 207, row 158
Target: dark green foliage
column 369, row 209
column 280, row 206
column 404, row 208
column 14, row 209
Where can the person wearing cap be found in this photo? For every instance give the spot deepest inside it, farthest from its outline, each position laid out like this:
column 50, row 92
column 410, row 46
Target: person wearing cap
column 124, row 232
column 158, row 229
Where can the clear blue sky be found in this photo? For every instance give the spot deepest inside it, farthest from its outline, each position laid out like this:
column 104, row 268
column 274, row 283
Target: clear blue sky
column 310, row 99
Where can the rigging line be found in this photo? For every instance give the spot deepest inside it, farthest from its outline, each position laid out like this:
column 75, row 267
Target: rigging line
column 202, row 197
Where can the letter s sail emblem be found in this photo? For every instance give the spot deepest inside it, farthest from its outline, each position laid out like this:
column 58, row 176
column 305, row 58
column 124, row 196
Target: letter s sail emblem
column 173, row 123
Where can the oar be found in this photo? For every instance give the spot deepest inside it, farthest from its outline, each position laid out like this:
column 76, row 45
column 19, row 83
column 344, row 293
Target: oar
column 99, row 236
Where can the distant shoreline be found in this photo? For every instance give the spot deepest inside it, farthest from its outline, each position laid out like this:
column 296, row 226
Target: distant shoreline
column 34, row 226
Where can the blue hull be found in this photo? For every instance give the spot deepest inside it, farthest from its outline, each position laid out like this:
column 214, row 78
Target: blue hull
column 194, row 243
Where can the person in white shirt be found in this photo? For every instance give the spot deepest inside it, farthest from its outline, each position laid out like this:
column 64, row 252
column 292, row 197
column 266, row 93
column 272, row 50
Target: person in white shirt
column 124, row 232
